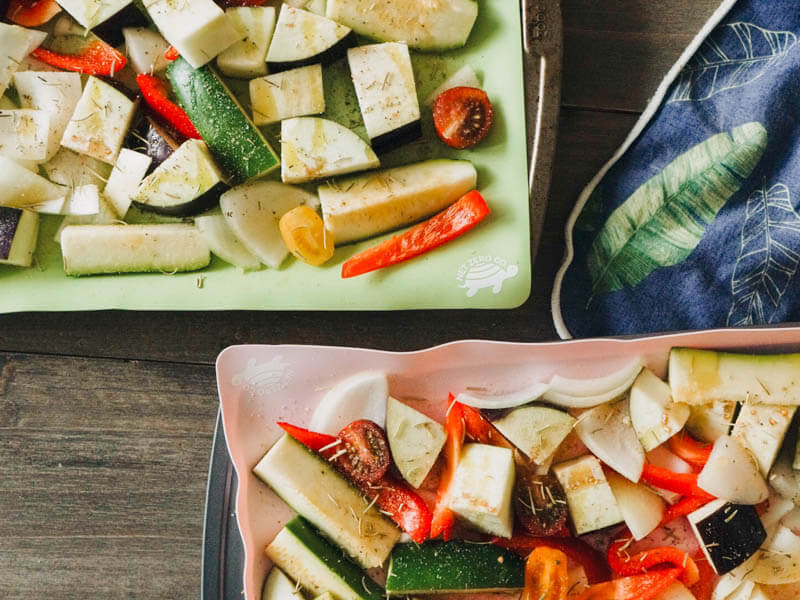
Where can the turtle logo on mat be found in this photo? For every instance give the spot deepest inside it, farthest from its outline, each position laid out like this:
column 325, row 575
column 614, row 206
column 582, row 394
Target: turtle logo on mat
column 485, row 271
column 265, row 378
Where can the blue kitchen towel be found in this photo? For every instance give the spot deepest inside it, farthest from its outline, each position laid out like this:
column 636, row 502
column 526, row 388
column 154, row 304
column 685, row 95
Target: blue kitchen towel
column 695, row 223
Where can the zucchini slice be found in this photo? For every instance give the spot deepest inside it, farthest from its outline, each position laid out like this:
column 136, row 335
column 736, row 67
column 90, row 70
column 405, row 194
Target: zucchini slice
column 231, row 136
column 247, row 59
column 318, row 566
column 455, row 566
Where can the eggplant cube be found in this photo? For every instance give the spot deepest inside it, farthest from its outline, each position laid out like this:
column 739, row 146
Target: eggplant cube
column 728, row 533
column 25, row 134
column 591, row 502
column 482, row 488
column 19, row 230
column 293, row 93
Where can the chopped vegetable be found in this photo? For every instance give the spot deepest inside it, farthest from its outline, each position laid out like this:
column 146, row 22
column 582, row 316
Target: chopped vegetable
column 689, row 449
column 310, row 439
column 462, row 116
column 684, row 484
column 366, row 459
column 633, row 587
column 455, row 220
column 305, row 235
column 154, row 91
column 546, row 575
column 32, row 13
column 95, row 58
column 623, row 563
column 479, row 429
column 443, row 517
column 540, row 504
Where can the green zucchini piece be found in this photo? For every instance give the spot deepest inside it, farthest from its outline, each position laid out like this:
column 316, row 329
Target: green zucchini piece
column 456, row 566
column 236, row 143
column 317, row 565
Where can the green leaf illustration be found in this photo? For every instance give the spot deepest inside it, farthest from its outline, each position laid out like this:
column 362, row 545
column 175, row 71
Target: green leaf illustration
column 663, row 221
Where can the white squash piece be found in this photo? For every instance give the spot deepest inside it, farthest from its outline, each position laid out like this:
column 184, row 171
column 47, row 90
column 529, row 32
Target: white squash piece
column 90, row 13
column 654, row 415
column 19, row 230
column 482, row 488
column 760, row 428
column 314, row 148
column 607, row 432
column 302, row 37
column 247, row 58
column 15, row 44
column 253, row 211
column 641, row 508
column 125, row 178
column 84, row 200
column 57, row 93
column 415, row 440
column 360, row 396
column 536, row 430
column 145, row 49
column 100, row 122
column 293, row 93
column 224, row 243
column 19, row 187
column 24, row 134
column 590, row 500
column 105, row 215
column 732, row 473
column 199, row 29
column 71, row 169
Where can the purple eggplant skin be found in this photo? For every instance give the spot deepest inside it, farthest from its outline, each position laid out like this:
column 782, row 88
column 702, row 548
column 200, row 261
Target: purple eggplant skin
column 205, row 201
column 730, row 535
column 152, row 138
column 9, row 221
column 110, row 30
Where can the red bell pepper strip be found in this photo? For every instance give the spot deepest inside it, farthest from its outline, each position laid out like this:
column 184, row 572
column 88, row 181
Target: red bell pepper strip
column 707, row 580
column 96, row 58
column 546, row 575
column 232, row 3
column 684, row 484
column 623, row 563
column 456, row 219
column 689, row 449
column 682, row 508
column 32, row 13
column 405, row 506
column 633, row 587
column 578, row 551
column 172, row 54
column 443, row 518
column 480, row 429
column 154, row 92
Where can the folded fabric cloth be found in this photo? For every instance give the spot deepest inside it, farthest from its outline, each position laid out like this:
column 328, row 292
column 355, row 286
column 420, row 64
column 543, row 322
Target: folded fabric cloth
column 695, row 222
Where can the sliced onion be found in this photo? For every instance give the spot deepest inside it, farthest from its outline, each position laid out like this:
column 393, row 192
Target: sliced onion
column 512, row 400
column 732, row 473
column 783, row 478
column 585, row 393
column 361, row 396
column 607, row 432
column 779, row 561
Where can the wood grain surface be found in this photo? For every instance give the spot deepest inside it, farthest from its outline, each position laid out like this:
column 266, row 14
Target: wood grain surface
column 106, row 418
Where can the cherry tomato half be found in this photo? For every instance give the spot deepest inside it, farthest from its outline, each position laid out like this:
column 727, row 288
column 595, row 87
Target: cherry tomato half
column 462, row 116
column 367, row 457
column 32, row 13
column 540, row 504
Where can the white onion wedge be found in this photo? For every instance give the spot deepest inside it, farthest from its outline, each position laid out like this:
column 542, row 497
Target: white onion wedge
column 511, row 400
column 360, row 396
column 779, row 561
column 607, row 432
column 732, row 473
column 585, row 393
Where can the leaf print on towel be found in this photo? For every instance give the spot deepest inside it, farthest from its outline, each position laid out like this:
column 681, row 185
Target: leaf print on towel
column 663, row 221
column 732, row 56
column 767, row 260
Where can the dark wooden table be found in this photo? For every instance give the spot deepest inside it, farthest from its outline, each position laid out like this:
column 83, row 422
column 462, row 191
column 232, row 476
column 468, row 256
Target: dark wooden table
column 106, row 418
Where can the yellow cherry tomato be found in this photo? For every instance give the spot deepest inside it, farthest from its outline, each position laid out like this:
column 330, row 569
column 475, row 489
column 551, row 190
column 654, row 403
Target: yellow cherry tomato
column 305, row 235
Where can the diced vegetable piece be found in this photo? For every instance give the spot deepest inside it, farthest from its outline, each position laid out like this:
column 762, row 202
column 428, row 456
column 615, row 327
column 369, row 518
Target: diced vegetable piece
column 315, row 6
column 437, row 26
column 72, row 170
column 456, row 566
column 732, row 473
column 98, row 249
column 317, row 565
column 360, row 396
column 82, row 201
column 760, row 428
column 689, row 449
column 536, row 430
column 15, row 44
column 779, row 560
column 19, row 231
column 198, row 29
column 224, row 243
column 607, row 432
column 314, row 489
column 654, row 415
column 187, row 183
column 415, row 440
column 125, row 178
column 540, row 503
column 90, row 13
column 483, row 486
column 660, row 456
column 253, row 211
column 234, row 140
column 364, row 206
column 100, row 121
column 294, row 93
column 302, row 38
column 641, row 508
column 145, row 49
column 25, row 134
column 463, row 116
column 499, row 401
column 19, row 187
column 155, row 93
column 585, row 393
column 82, row 52
column 707, row 422
column 591, row 502
column 728, row 533
column 314, row 148
column 247, row 58
column 464, row 77
column 443, row 517
column 56, row 93
column 705, row 376
column 304, row 234
column 646, row 586
column 387, row 94
column 546, row 575
column 277, row 586
column 32, row 13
